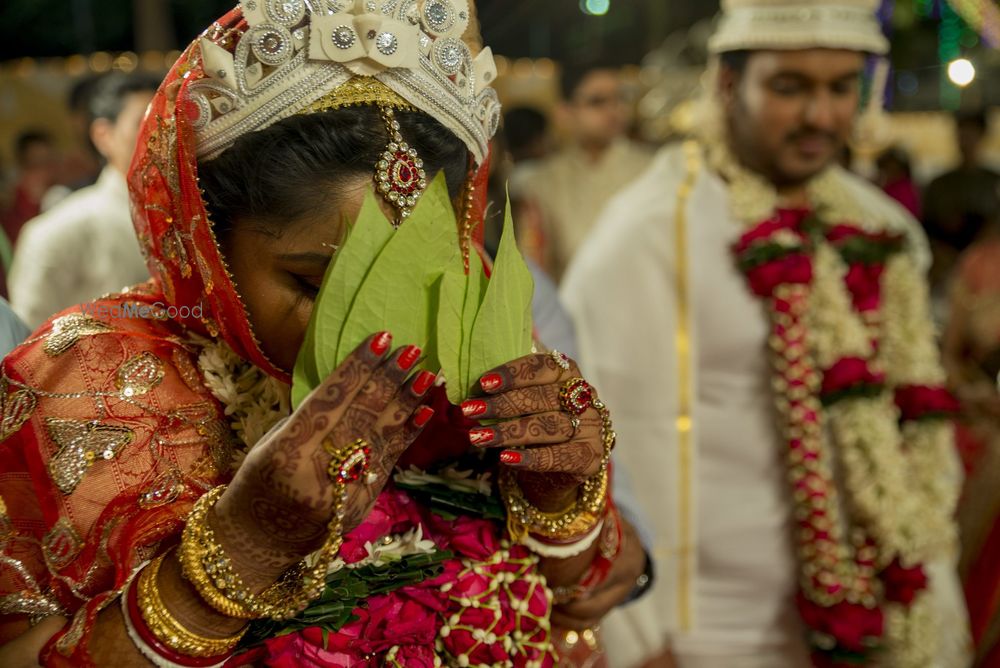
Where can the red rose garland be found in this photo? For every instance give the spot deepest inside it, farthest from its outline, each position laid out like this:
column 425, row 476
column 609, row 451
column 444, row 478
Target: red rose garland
column 842, row 591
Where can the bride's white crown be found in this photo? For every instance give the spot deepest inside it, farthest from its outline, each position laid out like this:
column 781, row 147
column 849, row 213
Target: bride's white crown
column 295, row 52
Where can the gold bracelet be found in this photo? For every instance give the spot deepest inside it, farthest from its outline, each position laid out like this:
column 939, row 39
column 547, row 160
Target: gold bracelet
column 206, row 565
column 583, row 516
column 167, row 628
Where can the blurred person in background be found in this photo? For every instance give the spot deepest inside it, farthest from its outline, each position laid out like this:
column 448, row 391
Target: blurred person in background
column 85, row 246
column 528, row 135
column 527, row 140
column 35, row 155
column 895, row 177
column 83, row 163
column 958, row 203
column 573, row 185
column 757, row 318
column 972, row 357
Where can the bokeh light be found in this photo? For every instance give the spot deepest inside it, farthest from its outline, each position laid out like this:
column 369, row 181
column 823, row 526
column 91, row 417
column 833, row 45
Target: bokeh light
column 961, row 72
column 595, row 7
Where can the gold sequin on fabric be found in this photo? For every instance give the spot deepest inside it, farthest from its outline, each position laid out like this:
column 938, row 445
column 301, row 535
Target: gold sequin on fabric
column 165, row 489
column 61, row 545
column 29, row 603
column 68, row 329
column 15, row 408
column 7, row 531
column 80, row 443
column 139, row 374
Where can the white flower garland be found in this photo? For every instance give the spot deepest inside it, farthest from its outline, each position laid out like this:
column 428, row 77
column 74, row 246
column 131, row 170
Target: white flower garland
column 832, row 336
column 881, row 474
column 908, row 348
column 252, row 400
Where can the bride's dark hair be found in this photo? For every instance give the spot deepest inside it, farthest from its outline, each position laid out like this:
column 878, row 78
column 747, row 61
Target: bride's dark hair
column 295, row 166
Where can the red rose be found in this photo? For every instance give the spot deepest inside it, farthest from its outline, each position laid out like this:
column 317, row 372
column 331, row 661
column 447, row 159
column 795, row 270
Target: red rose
column 477, row 637
column 918, row 401
column 849, row 623
column 467, row 536
column 841, row 232
column 849, row 372
column 864, row 283
column 298, row 650
column 415, row 656
column 791, row 269
column 395, row 619
column 394, row 513
column 903, row 584
column 786, row 219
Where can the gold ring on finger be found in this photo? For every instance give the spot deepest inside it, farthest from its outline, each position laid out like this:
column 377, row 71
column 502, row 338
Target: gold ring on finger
column 575, row 423
column 576, row 396
column 561, row 360
column 349, row 464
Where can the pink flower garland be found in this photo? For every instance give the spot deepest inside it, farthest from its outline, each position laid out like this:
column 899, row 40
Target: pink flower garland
column 473, row 609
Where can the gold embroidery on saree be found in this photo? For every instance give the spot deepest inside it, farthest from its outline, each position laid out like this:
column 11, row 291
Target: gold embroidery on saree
column 61, row 545
column 139, row 374
column 80, row 443
column 165, row 489
column 68, row 329
column 16, row 408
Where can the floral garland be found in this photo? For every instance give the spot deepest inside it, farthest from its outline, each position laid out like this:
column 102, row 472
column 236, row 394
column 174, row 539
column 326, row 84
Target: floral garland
column 253, row 401
column 858, row 387
column 438, row 585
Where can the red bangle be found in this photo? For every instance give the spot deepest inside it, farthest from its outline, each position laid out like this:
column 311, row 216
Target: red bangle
column 135, row 616
column 610, row 545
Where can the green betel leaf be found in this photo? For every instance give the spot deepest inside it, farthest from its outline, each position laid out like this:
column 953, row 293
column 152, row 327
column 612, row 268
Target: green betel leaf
column 459, row 301
column 354, row 260
column 503, row 326
column 400, row 292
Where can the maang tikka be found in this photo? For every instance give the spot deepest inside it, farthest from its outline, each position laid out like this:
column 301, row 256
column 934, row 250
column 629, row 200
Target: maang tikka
column 400, row 177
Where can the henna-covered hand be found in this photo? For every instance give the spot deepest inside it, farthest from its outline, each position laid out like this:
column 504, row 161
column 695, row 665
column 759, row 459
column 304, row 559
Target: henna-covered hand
column 553, row 452
column 278, row 505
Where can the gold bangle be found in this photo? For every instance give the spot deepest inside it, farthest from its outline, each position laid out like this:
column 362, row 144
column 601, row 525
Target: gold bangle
column 167, row 628
column 206, row 565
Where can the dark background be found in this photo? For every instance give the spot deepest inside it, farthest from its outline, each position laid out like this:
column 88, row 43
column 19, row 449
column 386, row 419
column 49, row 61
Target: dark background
column 514, row 28
column 557, row 29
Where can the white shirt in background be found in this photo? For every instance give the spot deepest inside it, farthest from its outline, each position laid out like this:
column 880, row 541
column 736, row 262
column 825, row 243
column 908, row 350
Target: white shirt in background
column 81, row 249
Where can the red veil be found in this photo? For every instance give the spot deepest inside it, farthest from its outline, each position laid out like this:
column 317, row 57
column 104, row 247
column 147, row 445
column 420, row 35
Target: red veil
column 108, row 433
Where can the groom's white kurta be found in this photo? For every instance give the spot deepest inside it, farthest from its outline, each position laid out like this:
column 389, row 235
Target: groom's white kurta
column 726, row 569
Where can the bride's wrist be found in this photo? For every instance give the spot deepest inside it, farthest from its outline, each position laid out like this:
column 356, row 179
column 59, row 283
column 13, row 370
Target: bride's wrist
column 263, row 540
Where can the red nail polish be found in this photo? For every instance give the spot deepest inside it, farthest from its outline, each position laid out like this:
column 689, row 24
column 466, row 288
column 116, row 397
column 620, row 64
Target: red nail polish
column 510, row 457
column 482, row 436
column 423, row 382
column 423, row 416
column 491, row 382
column 408, row 357
column 381, row 343
column 473, row 408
